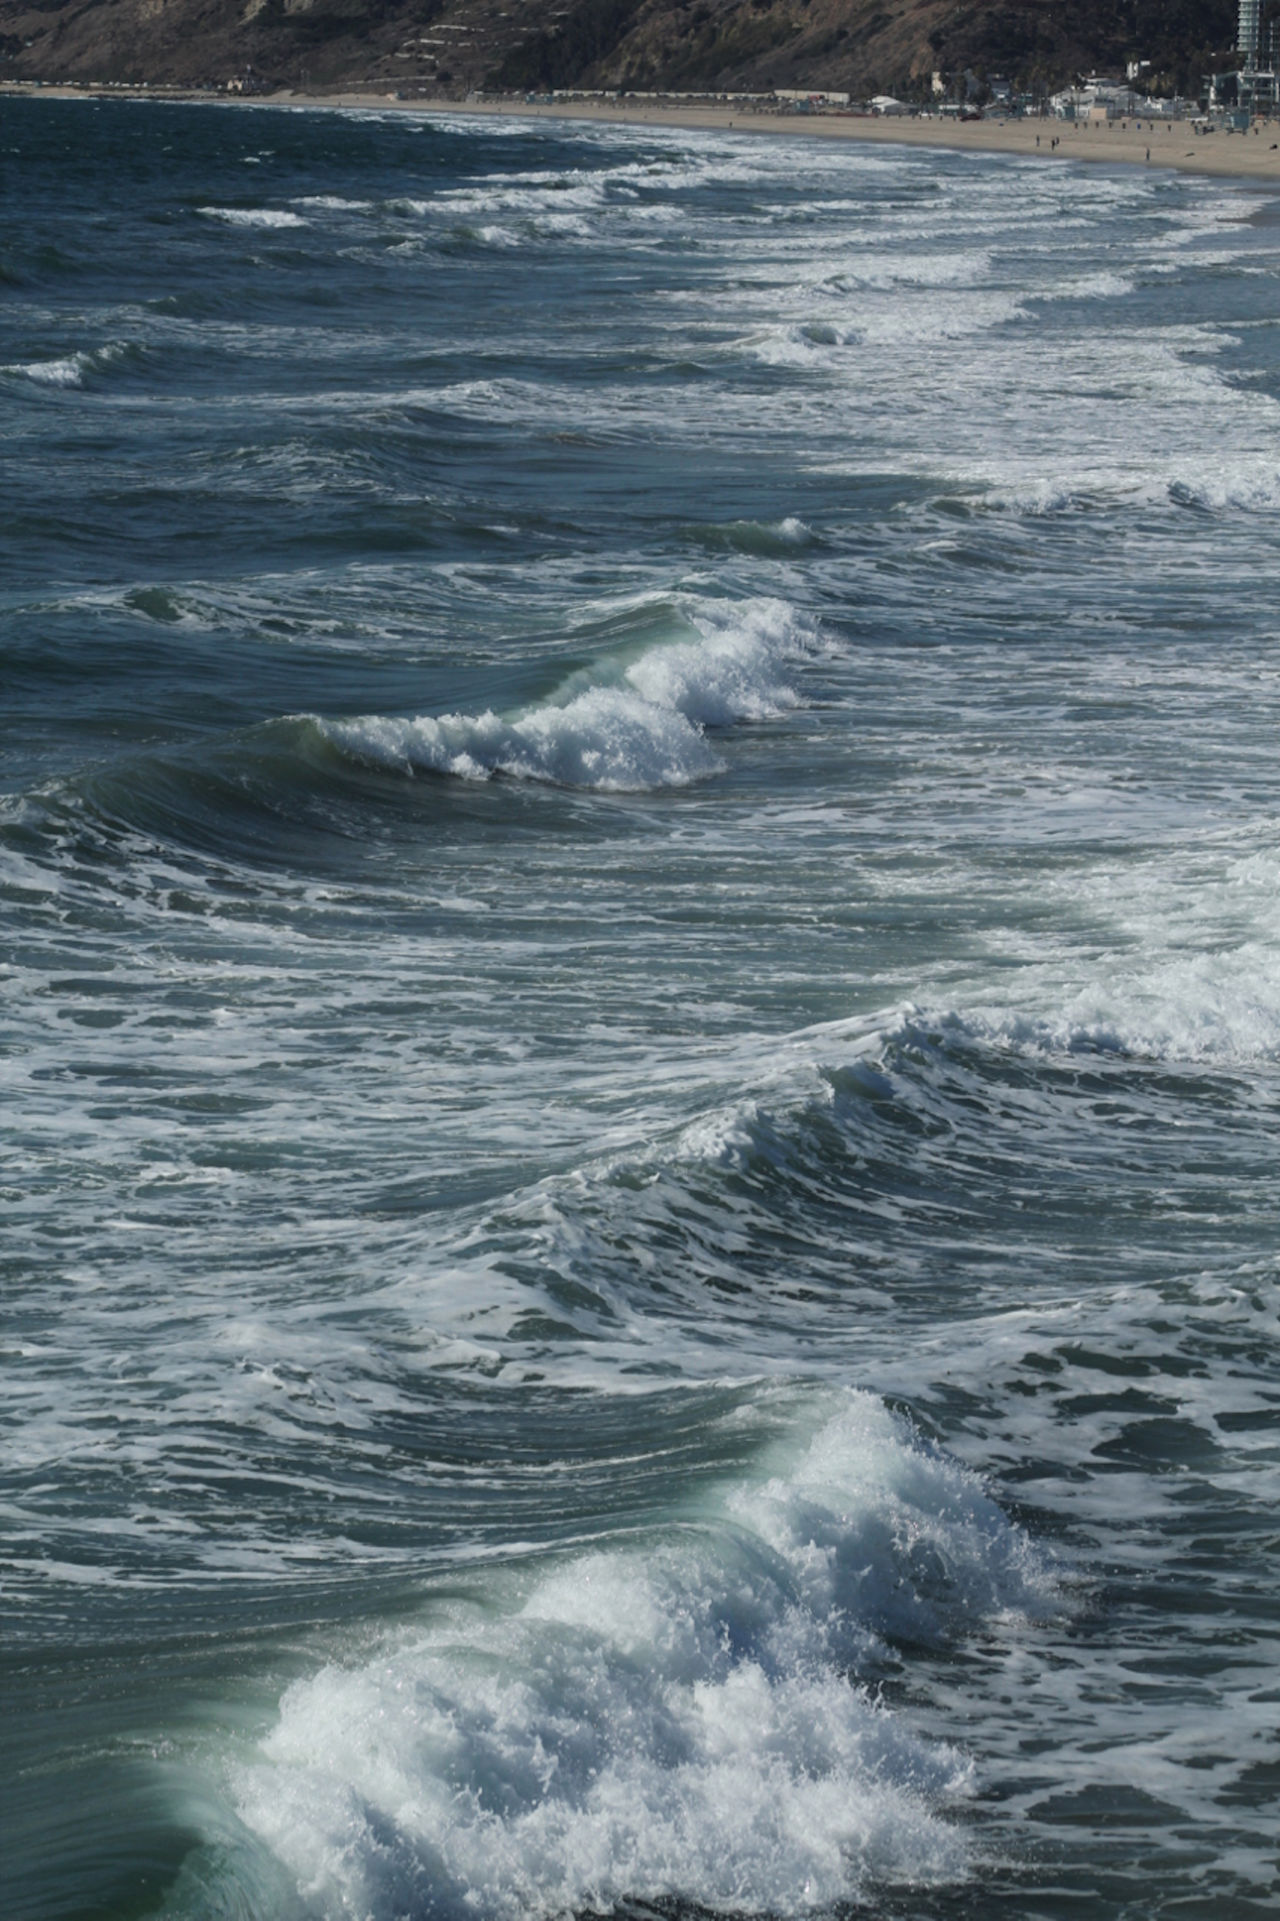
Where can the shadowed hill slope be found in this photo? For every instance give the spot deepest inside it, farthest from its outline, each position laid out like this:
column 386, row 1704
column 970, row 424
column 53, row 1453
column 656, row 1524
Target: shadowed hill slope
column 450, row 46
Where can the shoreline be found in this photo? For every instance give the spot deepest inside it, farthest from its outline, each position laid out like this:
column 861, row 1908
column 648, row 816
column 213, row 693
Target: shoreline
column 1168, row 145
column 1171, row 145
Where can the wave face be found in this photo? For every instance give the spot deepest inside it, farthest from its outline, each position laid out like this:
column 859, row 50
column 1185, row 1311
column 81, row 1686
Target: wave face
column 639, row 1026
column 620, row 726
column 671, row 1720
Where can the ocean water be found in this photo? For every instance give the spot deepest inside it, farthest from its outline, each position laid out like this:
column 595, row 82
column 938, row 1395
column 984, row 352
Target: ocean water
column 640, row 893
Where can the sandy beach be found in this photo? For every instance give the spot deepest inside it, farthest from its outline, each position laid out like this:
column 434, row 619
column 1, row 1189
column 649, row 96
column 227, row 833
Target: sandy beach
column 1124, row 143
column 1136, row 142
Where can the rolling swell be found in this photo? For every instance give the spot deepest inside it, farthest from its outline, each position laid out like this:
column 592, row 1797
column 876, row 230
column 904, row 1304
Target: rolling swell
column 638, row 717
column 87, row 367
column 266, row 797
column 627, row 723
column 877, row 1172
column 807, row 1229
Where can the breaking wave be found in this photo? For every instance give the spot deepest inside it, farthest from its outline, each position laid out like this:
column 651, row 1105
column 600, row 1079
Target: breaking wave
column 73, row 370
column 253, row 216
column 681, row 1718
column 623, row 725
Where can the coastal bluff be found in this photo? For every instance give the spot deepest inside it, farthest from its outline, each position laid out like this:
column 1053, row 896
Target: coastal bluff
column 446, row 49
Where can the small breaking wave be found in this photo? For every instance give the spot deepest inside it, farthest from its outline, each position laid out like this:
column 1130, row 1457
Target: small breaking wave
column 625, row 725
column 767, row 540
column 1211, row 1010
column 1244, row 483
column 333, row 203
column 253, row 216
column 73, row 370
column 956, row 314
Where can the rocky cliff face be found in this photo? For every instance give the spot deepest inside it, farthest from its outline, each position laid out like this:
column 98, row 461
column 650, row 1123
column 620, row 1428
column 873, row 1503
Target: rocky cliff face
column 450, row 46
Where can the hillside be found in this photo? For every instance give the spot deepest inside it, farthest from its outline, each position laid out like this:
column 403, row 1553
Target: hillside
column 451, row 46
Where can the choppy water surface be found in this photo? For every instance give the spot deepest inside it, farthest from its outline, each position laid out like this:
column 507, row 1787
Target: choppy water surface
column 641, row 965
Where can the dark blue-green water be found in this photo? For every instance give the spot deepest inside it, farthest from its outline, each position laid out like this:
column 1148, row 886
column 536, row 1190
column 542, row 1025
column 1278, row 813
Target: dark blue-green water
column 640, row 1054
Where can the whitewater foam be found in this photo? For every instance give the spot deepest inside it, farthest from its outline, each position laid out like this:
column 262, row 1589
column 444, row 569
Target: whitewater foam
column 333, row 203
column 70, row 370
column 675, row 1719
column 253, row 216
column 67, row 372
column 626, row 725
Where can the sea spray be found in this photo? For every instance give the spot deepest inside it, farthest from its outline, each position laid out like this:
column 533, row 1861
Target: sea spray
column 626, row 724
column 679, row 1717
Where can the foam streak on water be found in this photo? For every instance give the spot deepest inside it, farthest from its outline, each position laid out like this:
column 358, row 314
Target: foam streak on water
column 639, row 1026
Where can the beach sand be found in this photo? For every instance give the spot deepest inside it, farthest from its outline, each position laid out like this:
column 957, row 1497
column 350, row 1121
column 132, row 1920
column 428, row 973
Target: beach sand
column 1255, row 154
column 1136, row 142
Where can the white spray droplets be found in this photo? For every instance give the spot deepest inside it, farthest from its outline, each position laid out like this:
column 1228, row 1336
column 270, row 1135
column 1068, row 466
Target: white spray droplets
column 626, row 726
column 675, row 1718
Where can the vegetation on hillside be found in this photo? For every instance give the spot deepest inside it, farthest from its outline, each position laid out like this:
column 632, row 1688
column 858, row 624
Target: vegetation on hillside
column 856, row 46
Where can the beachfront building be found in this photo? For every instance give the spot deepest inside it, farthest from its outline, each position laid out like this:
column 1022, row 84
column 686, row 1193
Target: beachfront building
column 807, row 98
column 1257, row 88
column 1248, row 91
column 1097, row 99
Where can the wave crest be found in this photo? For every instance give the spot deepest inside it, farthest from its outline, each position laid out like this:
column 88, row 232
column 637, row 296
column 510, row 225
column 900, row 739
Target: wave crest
column 74, row 370
column 669, row 1721
column 252, row 216
column 625, row 725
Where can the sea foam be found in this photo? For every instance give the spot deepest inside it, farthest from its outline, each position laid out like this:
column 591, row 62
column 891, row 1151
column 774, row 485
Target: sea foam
column 625, row 724
column 674, row 1718
column 71, row 370
column 253, row 216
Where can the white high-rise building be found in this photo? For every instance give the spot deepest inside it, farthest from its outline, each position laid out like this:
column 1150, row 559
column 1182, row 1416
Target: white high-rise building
column 1249, row 31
